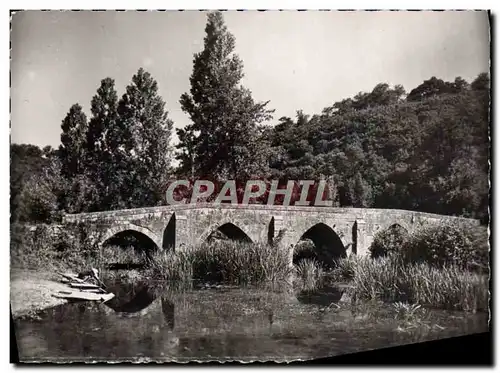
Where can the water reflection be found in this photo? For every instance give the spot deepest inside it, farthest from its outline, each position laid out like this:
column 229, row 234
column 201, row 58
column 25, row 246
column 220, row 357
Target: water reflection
column 130, row 297
column 322, row 297
column 214, row 325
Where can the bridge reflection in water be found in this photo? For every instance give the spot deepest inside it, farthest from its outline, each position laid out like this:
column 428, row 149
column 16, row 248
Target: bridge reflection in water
column 242, row 324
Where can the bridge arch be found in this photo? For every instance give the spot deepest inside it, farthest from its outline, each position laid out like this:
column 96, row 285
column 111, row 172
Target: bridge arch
column 130, row 228
column 328, row 244
column 228, row 228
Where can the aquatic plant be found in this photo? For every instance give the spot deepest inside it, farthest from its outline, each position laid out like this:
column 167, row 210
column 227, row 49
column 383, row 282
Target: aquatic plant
column 344, row 270
column 405, row 310
column 226, row 262
column 309, row 274
column 173, row 268
column 449, row 287
column 242, row 263
column 123, row 255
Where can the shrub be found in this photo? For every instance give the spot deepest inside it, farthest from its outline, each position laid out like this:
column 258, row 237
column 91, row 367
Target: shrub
column 33, row 247
column 52, row 247
column 389, row 241
column 449, row 244
column 304, row 249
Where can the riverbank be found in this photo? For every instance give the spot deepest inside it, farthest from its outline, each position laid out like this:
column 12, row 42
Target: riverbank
column 31, row 291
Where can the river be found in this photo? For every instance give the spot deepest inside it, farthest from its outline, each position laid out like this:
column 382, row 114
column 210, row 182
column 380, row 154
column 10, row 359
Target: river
column 224, row 324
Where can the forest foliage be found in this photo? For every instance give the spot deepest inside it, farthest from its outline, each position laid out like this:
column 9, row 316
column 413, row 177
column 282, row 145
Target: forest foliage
column 426, row 150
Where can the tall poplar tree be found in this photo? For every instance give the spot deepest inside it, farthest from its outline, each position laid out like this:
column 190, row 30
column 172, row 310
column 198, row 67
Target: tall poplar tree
column 144, row 151
column 224, row 138
column 72, row 148
column 102, row 145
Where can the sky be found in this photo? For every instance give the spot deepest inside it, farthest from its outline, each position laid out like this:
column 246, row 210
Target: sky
column 296, row 60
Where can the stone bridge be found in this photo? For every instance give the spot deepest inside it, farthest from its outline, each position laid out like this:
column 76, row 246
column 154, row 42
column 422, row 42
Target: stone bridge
column 347, row 230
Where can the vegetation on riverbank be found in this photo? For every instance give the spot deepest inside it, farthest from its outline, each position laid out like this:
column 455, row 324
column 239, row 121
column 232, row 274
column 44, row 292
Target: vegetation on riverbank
column 442, row 266
column 391, row 280
column 228, row 262
column 50, row 248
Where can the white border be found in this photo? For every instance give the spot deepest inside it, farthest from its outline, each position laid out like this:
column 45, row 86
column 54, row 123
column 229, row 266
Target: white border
column 174, row 4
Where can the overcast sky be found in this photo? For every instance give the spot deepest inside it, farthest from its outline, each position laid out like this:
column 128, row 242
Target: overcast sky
column 297, row 60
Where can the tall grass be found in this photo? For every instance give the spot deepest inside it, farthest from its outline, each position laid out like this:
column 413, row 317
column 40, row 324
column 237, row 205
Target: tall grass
column 123, row 255
column 309, row 275
column 174, row 268
column 390, row 279
column 226, row 262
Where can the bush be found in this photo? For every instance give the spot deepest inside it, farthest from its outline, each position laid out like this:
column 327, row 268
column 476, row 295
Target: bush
column 389, row 241
column 33, row 247
column 304, row 249
column 464, row 247
column 52, row 247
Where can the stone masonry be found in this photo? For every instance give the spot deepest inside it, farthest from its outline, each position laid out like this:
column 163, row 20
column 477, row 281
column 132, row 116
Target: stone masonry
column 355, row 227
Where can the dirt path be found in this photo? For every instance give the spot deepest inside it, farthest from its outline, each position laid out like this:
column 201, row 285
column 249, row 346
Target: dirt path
column 31, row 291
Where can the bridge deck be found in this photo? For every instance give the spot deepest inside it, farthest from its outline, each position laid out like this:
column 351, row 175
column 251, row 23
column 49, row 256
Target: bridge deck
column 98, row 215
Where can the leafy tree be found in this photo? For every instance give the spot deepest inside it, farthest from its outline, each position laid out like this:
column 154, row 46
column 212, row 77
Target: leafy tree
column 71, row 150
column 427, row 153
column 25, row 161
column 40, row 195
column 143, row 156
column 225, row 138
column 102, row 149
column 434, row 87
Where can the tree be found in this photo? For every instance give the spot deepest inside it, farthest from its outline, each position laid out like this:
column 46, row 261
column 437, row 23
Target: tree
column 429, row 154
column 40, row 194
column 25, row 161
column 102, row 143
column 73, row 137
column 481, row 83
column 434, row 87
column 225, row 138
column 143, row 154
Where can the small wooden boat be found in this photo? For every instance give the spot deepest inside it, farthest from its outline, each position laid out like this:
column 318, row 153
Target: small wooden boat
column 80, row 295
column 80, row 289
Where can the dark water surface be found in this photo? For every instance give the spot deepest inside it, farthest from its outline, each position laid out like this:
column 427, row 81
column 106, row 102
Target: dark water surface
column 231, row 324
